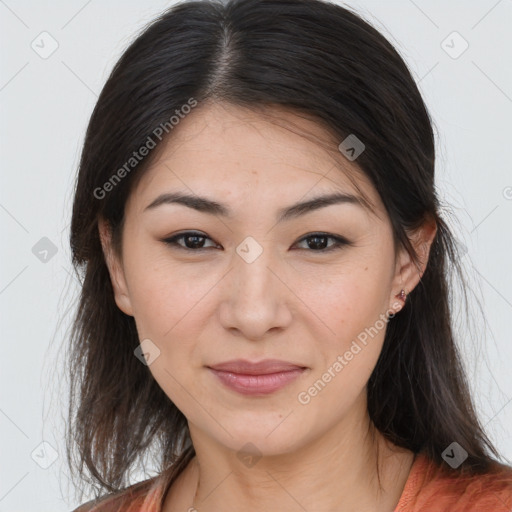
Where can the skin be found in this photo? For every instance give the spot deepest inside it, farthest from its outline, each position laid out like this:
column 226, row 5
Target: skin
column 292, row 302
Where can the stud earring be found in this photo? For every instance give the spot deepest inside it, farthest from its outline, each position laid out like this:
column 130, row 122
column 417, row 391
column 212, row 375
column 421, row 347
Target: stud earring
column 402, row 295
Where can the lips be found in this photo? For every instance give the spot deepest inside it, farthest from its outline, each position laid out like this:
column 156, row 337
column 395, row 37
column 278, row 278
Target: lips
column 256, row 378
column 265, row 367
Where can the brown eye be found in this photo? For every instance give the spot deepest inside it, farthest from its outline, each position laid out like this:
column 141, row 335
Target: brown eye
column 320, row 242
column 192, row 241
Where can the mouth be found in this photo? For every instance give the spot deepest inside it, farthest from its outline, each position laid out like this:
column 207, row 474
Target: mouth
column 256, row 378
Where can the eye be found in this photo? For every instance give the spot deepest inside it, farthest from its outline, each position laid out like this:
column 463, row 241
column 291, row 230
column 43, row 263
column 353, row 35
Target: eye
column 316, row 242
column 319, row 242
column 192, row 241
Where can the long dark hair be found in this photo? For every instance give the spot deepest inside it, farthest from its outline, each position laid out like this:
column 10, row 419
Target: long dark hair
column 317, row 59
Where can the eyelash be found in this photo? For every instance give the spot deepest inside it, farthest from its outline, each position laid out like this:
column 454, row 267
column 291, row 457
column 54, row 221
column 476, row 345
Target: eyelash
column 339, row 241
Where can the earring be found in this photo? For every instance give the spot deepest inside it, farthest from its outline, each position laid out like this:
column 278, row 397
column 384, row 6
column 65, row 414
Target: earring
column 402, row 295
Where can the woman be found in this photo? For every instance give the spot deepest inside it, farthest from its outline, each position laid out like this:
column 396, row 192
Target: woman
column 265, row 297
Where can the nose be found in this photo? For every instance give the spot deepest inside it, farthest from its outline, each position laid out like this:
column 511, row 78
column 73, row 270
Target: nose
column 255, row 298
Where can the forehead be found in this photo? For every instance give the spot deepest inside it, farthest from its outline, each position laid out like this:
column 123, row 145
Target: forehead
column 227, row 151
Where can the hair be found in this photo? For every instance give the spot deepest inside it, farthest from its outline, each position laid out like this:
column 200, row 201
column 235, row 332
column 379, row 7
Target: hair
column 317, row 59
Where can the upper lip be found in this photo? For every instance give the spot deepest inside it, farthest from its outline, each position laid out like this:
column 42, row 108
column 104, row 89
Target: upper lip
column 264, row 367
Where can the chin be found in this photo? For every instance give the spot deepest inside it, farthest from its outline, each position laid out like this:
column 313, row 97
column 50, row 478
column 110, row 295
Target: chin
column 265, row 435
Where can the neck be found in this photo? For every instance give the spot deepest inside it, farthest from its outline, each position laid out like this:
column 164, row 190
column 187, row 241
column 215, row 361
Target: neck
column 351, row 468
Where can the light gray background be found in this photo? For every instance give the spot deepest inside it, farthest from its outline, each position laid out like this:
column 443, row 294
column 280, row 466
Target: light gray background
column 44, row 108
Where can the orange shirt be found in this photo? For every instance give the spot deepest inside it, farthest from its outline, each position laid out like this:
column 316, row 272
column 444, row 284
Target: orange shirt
column 432, row 488
column 429, row 488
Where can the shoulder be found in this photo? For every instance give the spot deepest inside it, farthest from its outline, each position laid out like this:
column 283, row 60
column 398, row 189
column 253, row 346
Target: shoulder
column 431, row 487
column 140, row 497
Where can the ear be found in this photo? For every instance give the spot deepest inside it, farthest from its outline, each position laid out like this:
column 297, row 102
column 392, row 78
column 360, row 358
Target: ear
column 408, row 272
column 115, row 269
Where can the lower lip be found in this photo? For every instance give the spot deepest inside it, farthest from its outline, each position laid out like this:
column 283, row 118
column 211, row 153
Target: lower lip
column 257, row 384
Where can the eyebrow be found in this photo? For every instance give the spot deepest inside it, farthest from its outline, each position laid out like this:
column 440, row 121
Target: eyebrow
column 206, row 205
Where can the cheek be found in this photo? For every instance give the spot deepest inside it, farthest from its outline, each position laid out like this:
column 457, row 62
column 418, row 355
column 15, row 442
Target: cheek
column 163, row 295
column 170, row 310
column 351, row 307
column 347, row 300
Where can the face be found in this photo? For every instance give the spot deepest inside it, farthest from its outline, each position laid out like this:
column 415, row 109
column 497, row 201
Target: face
column 245, row 276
